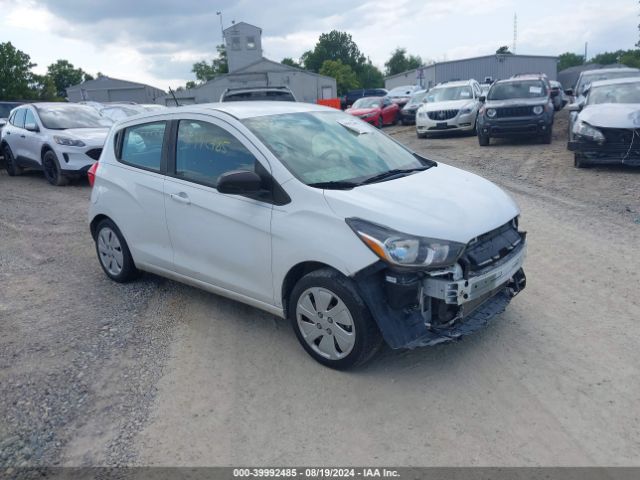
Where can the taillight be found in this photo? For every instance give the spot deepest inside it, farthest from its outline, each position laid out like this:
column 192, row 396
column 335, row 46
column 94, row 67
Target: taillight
column 91, row 173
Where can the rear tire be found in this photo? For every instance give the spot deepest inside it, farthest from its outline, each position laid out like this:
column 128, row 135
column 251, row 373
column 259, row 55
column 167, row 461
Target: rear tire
column 52, row 171
column 380, row 122
column 348, row 340
column 113, row 253
column 10, row 163
column 484, row 140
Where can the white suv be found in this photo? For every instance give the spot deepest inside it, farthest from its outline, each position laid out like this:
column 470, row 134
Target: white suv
column 62, row 139
column 311, row 214
column 451, row 106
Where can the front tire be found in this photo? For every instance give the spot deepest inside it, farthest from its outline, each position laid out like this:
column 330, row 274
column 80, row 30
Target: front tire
column 547, row 138
column 113, row 253
column 331, row 320
column 579, row 161
column 380, row 122
column 484, row 140
column 10, row 163
column 52, row 171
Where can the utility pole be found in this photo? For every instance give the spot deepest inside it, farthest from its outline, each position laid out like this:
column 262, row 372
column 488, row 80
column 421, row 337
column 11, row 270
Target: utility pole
column 585, row 51
column 515, row 32
column 219, row 13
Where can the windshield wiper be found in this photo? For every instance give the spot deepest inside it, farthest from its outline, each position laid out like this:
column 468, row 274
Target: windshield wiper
column 337, row 185
column 396, row 172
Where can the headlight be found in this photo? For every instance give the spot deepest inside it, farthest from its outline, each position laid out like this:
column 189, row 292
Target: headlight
column 422, row 114
column 491, row 112
column 583, row 129
column 69, row 142
column 403, row 250
column 467, row 109
column 538, row 109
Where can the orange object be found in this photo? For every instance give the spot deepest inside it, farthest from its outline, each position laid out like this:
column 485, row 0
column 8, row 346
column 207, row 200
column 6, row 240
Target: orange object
column 329, row 102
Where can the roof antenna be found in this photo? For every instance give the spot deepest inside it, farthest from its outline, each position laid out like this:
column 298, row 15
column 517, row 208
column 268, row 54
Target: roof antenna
column 174, row 97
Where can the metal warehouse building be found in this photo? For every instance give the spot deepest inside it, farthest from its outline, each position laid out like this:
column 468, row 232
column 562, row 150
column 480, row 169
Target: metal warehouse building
column 107, row 89
column 495, row 67
column 248, row 68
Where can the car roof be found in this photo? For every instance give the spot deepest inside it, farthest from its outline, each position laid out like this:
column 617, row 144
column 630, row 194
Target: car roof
column 456, row 83
column 520, row 79
column 615, row 81
column 242, row 110
column 608, row 70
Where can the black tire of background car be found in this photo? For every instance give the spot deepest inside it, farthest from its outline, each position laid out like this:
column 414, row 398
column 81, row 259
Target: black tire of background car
column 421, row 135
column 380, row 121
column 396, row 119
column 129, row 271
column 10, row 164
column 548, row 136
column 51, row 169
column 579, row 160
column 368, row 338
column 484, row 140
column 475, row 127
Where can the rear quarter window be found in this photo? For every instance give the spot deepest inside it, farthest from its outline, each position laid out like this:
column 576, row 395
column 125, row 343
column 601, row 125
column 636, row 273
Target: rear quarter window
column 141, row 145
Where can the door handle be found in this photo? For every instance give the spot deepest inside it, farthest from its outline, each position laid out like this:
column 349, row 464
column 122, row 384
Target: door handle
column 22, row 136
column 180, row 197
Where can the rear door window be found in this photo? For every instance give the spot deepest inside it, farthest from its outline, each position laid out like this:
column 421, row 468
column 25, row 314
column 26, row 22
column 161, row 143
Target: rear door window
column 142, row 146
column 205, row 151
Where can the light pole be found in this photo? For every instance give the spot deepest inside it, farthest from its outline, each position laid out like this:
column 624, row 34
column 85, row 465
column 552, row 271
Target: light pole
column 221, row 27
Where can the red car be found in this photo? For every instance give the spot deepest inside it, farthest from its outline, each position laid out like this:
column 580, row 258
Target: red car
column 377, row 111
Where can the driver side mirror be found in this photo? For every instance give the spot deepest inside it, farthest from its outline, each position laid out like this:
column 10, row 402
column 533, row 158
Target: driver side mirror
column 239, row 182
column 482, row 99
column 569, row 91
column 31, row 127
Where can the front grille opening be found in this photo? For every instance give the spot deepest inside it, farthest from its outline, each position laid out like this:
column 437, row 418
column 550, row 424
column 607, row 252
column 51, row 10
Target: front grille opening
column 442, row 114
column 505, row 112
column 492, row 246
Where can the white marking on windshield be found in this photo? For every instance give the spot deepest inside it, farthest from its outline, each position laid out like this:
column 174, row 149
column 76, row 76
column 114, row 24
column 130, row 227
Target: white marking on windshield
column 355, row 126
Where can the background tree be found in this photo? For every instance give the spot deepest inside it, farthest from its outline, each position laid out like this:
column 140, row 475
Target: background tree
column 370, row 76
column 607, row 58
column 205, row 71
column 631, row 58
column 15, row 73
column 401, row 62
column 569, row 59
column 346, row 78
column 44, row 88
column 64, row 75
column 503, row 50
column 291, row 62
column 334, row 46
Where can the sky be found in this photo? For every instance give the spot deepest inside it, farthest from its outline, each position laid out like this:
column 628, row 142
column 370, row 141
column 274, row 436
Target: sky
column 157, row 41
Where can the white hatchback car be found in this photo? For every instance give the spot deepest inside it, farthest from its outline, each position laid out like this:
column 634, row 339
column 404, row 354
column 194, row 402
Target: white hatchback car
column 311, row 214
column 448, row 107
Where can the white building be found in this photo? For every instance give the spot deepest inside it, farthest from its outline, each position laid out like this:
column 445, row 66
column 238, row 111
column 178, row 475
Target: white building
column 248, row 68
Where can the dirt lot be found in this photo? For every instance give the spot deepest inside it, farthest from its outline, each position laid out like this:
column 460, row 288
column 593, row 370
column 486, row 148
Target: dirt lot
column 95, row 373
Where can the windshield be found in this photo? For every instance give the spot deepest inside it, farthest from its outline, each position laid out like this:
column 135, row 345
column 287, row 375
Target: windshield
column 594, row 77
column 63, row 116
column 320, row 147
column 367, row 103
column 401, row 91
column 520, row 89
column 417, row 97
column 444, row 94
column 618, row 93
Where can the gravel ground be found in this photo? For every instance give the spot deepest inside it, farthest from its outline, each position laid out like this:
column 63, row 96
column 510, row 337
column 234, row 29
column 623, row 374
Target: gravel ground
column 156, row 373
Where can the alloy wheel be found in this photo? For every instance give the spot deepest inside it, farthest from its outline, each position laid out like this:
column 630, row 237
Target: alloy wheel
column 110, row 251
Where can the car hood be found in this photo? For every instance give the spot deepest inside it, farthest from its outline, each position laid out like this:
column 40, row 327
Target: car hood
column 517, row 102
column 448, row 105
column 88, row 135
column 612, row 115
column 442, row 202
column 361, row 111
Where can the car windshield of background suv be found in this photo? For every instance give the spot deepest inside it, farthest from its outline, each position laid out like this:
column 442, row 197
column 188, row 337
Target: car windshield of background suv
column 62, row 117
column 449, row 93
column 618, row 93
column 320, row 147
column 520, row 89
column 595, row 77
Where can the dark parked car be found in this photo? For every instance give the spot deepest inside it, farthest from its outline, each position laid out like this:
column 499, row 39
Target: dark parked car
column 606, row 128
column 520, row 106
column 408, row 112
column 401, row 95
column 350, row 98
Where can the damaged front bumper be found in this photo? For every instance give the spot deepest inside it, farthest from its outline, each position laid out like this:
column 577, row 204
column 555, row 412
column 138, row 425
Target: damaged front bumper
column 427, row 309
column 620, row 151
